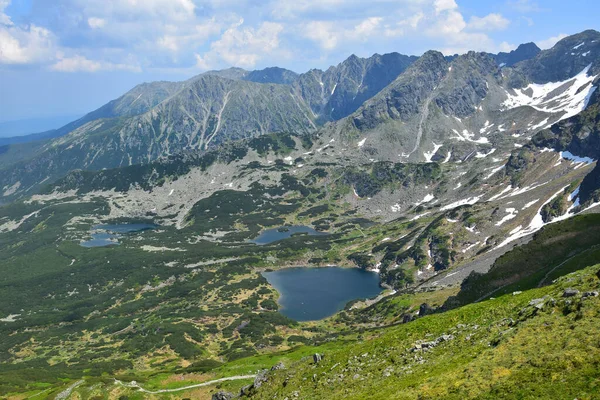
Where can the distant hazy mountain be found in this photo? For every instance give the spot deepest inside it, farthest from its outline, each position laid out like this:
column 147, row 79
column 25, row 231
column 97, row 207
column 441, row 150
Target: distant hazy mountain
column 28, row 126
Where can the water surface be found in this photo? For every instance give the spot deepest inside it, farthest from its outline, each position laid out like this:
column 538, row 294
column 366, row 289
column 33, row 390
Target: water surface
column 108, row 234
column 276, row 234
column 309, row 294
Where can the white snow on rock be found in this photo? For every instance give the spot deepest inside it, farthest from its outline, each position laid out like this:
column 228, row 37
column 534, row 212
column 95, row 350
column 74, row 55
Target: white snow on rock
column 448, row 156
column 578, row 46
column 493, row 172
column 362, row 142
column 526, row 206
column 429, row 155
column 512, row 213
column 517, row 229
column 425, row 200
column 420, row 216
column 467, row 136
column 171, row 192
column 470, row 201
column 569, row 97
column 470, row 247
column 537, row 222
column 542, row 125
column 470, row 228
column 484, row 155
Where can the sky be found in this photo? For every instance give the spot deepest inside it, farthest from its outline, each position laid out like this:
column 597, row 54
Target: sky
column 68, row 57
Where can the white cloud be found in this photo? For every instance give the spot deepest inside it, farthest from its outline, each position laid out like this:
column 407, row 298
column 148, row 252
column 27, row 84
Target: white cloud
column 25, row 45
column 328, row 35
column 404, row 25
column 22, row 44
column 242, row 46
column 96, row 23
column 169, row 10
column 323, row 33
column 491, row 22
column 551, row 41
column 444, row 5
column 4, row 19
column 80, row 63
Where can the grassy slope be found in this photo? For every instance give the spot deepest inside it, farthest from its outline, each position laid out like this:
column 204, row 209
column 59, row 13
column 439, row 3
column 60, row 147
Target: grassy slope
column 502, row 348
column 556, row 250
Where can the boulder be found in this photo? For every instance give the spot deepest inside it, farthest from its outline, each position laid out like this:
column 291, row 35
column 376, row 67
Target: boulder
column 261, row 378
column 570, row 292
column 221, row 395
column 278, row 366
column 590, row 294
column 317, row 358
column 424, row 309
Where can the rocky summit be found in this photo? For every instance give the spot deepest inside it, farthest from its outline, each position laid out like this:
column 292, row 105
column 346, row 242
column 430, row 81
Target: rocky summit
column 469, row 184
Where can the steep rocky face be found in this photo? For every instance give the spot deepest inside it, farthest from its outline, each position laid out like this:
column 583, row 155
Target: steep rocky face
column 524, row 52
column 211, row 110
column 206, row 112
column 272, row 75
column 404, row 97
column 580, row 135
column 566, row 59
column 341, row 90
column 467, row 84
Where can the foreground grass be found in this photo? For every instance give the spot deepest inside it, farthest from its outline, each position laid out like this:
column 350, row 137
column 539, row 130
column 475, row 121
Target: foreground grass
column 500, row 348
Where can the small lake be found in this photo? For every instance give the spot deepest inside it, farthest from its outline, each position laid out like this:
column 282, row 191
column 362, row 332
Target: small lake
column 309, row 294
column 108, row 234
column 276, row 234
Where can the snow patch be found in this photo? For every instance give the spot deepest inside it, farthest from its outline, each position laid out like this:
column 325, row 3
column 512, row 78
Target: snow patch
column 569, row 97
column 512, row 213
column 484, row 155
column 470, row 201
column 420, row 216
column 362, row 142
column 470, row 247
column 427, row 199
column 493, row 172
column 526, row 206
column 448, row 156
column 429, row 155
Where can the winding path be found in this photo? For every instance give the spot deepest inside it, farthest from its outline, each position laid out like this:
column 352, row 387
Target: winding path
column 135, row 385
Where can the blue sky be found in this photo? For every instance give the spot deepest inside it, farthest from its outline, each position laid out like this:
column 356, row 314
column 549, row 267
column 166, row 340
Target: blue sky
column 65, row 57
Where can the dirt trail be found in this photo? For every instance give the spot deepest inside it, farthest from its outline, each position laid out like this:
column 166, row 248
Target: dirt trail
column 208, row 383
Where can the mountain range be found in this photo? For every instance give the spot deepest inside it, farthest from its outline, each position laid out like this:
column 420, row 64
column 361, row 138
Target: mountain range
column 161, row 118
column 468, row 183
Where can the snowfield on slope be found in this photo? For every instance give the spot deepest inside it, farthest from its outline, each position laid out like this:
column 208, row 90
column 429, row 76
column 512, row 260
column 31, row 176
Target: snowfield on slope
column 569, row 97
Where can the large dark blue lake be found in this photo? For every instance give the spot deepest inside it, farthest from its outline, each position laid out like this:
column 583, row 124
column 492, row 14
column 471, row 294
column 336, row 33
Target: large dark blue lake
column 108, row 234
column 276, row 234
column 309, row 294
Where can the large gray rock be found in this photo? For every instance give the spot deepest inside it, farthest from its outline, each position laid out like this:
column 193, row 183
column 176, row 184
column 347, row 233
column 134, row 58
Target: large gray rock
column 221, row 395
